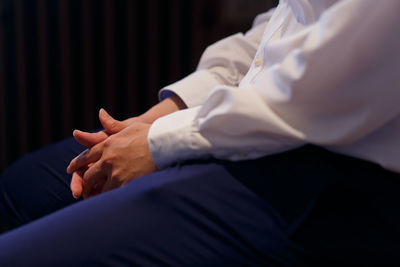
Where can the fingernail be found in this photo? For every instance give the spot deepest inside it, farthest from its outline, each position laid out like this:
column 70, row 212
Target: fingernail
column 74, row 196
column 76, row 131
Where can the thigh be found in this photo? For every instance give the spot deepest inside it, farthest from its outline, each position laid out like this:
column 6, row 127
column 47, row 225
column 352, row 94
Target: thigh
column 190, row 214
column 281, row 210
column 355, row 218
column 37, row 184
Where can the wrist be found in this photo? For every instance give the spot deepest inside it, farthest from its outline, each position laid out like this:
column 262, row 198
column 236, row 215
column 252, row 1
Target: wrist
column 145, row 118
column 165, row 107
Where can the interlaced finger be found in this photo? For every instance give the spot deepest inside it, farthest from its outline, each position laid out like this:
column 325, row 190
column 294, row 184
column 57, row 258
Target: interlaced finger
column 96, row 174
column 77, row 183
column 89, row 139
column 88, row 156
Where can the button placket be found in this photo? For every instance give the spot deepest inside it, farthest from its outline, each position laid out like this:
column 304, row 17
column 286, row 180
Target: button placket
column 258, row 61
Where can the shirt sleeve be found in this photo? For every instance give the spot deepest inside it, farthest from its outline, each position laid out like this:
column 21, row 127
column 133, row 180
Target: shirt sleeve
column 225, row 62
column 337, row 83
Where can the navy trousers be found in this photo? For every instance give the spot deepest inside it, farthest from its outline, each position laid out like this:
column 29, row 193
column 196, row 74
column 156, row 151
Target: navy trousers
column 301, row 207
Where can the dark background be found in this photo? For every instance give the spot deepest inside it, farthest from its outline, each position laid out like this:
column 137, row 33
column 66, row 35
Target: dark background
column 62, row 60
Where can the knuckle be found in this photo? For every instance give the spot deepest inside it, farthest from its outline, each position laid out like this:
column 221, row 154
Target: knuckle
column 81, row 156
column 108, row 160
column 85, row 178
column 116, row 176
column 108, row 142
column 106, row 163
column 72, row 164
column 113, row 124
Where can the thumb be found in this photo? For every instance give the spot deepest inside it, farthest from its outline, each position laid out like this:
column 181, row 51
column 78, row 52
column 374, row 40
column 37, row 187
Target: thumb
column 111, row 125
column 89, row 139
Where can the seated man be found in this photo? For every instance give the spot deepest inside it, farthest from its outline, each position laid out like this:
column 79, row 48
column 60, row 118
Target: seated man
column 281, row 149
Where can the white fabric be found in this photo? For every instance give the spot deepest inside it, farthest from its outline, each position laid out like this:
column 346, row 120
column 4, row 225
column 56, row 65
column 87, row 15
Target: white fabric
column 323, row 72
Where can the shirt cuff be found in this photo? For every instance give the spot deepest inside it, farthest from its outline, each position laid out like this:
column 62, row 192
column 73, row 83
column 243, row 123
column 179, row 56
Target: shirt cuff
column 168, row 144
column 193, row 89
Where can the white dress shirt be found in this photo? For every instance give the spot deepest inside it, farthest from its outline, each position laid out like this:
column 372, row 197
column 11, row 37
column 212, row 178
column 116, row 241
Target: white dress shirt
column 323, row 72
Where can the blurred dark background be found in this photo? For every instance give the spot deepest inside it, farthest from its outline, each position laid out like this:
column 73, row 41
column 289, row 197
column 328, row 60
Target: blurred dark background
column 62, row 60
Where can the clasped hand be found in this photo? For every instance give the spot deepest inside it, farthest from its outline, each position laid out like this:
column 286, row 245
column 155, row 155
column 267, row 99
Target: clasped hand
column 114, row 156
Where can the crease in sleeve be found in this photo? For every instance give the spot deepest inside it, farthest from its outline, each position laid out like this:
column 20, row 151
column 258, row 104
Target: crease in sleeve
column 193, row 89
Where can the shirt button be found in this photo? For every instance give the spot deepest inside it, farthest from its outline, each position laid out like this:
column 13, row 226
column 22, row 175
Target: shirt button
column 257, row 62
